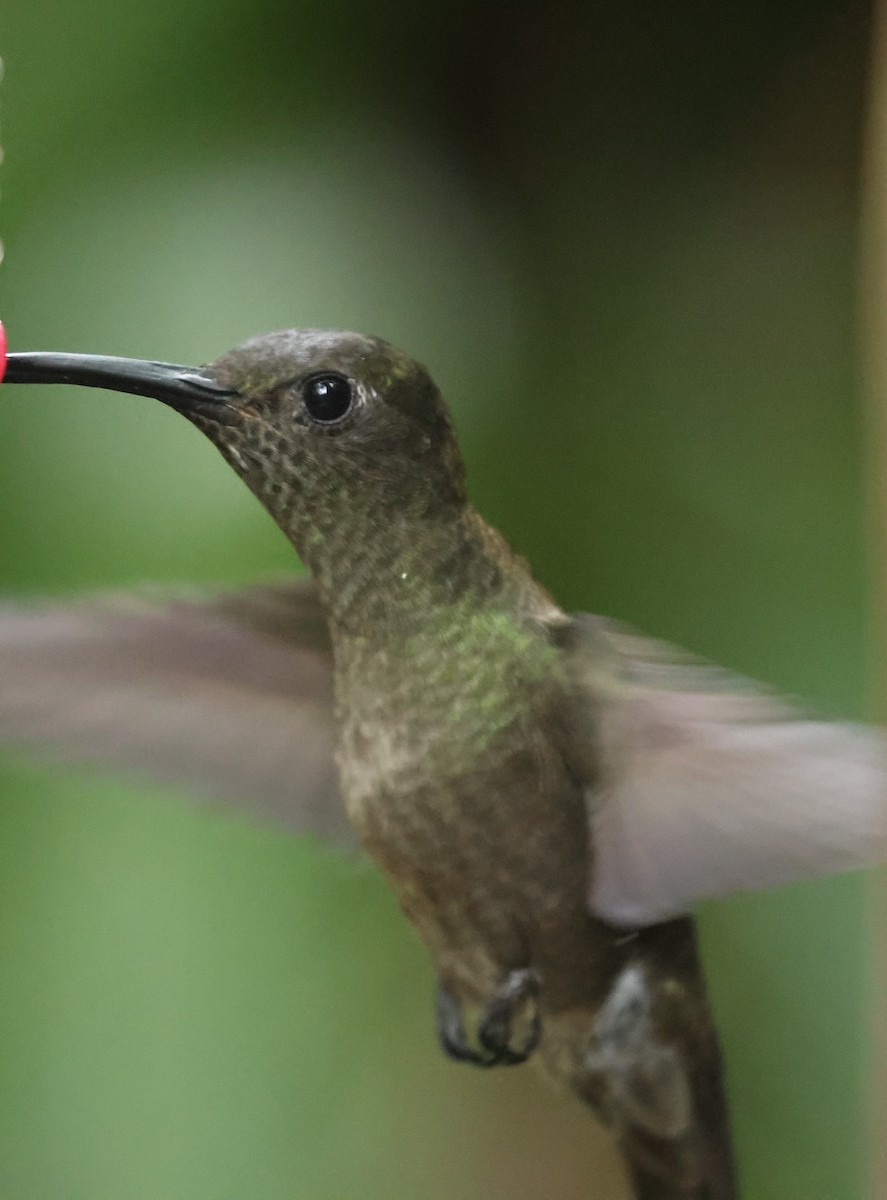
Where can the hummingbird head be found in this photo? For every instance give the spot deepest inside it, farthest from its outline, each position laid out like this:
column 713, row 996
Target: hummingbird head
column 325, row 428
column 316, row 419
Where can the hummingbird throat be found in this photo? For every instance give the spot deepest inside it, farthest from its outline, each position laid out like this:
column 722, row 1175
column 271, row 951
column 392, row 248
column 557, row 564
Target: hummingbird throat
column 403, row 575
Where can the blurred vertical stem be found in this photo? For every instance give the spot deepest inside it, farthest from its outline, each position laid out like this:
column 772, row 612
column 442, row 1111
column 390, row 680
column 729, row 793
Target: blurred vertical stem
column 873, row 353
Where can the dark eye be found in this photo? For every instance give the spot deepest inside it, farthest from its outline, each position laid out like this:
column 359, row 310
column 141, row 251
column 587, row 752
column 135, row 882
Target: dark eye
column 327, row 398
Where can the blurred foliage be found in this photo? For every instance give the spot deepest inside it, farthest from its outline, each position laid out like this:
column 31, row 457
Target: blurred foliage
column 623, row 239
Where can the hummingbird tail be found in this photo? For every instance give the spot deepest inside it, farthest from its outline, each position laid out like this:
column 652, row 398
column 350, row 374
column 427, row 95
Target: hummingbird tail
column 698, row 1166
column 655, row 1073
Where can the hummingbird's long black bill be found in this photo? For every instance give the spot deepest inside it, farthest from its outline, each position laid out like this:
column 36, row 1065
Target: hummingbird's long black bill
column 190, row 390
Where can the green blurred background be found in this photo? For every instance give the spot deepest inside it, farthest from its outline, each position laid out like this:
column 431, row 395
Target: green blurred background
column 623, row 237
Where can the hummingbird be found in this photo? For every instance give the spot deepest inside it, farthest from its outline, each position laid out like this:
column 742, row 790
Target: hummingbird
column 548, row 794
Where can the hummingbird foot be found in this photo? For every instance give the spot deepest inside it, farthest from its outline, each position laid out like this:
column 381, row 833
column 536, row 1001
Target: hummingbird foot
column 451, row 1029
column 515, row 1002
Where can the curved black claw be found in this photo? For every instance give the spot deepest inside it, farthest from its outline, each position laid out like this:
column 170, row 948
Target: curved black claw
column 520, row 989
column 450, row 1030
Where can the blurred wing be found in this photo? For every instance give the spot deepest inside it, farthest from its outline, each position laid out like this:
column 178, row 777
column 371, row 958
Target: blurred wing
column 706, row 786
column 229, row 695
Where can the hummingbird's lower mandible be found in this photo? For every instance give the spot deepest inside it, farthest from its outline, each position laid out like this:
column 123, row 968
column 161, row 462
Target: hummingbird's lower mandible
column 547, row 795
